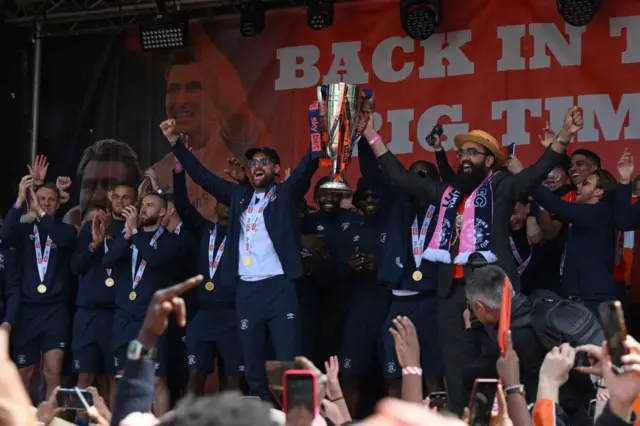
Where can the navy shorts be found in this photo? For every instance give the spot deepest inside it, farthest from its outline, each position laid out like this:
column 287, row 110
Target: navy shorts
column 361, row 343
column 39, row 329
column 212, row 334
column 422, row 311
column 126, row 329
column 90, row 344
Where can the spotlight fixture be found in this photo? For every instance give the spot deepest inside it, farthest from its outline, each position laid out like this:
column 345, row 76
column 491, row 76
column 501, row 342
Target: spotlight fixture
column 420, row 18
column 251, row 18
column 319, row 14
column 578, row 12
column 168, row 31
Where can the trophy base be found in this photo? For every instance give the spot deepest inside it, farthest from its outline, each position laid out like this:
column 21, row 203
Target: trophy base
column 336, row 186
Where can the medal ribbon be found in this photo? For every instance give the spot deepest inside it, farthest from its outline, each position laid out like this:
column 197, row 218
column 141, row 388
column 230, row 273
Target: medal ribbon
column 418, row 239
column 522, row 265
column 106, row 250
column 254, row 212
column 137, row 276
column 43, row 262
column 213, row 263
column 178, row 228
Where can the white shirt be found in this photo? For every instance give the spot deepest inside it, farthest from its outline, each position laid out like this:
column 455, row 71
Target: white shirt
column 264, row 259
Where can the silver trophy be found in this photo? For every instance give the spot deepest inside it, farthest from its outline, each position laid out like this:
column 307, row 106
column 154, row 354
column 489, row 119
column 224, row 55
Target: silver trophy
column 341, row 122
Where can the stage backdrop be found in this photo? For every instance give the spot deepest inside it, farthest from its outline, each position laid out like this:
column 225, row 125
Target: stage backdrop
column 502, row 66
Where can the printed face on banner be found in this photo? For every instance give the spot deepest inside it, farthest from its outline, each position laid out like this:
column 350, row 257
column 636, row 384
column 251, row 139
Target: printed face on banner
column 183, row 100
column 99, row 178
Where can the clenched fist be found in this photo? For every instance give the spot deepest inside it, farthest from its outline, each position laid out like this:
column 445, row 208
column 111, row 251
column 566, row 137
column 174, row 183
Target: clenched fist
column 168, row 128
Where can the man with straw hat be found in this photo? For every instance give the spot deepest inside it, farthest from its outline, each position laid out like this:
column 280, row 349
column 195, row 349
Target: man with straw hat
column 473, row 217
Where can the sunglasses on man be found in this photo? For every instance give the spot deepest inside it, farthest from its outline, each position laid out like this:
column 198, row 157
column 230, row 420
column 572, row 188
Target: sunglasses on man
column 254, row 162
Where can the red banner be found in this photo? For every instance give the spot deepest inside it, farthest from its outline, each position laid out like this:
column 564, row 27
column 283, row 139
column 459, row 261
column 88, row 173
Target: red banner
column 501, row 66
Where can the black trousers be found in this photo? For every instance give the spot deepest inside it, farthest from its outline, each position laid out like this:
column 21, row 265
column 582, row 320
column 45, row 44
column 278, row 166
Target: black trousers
column 451, row 334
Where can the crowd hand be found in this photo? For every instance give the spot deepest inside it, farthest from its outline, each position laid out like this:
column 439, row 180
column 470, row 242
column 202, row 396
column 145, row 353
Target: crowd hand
column 332, row 368
column 322, row 379
column 235, row 170
column 557, row 364
column 332, row 412
column 514, row 165
column 623, row 388
column 572, row 124
column 356, row 262
column 508, row 365
column 625, row 167
column 502, row 418
column 48, row 410
column 168, row 128
column 15, row 405
column 547, row 137
column 99, row 413
column 405, row 338
column 393, row 412
column 595, row 359
column 39, row 169
column 139, row 419
column 25, row 184
column 163, row 303
column 534, row 232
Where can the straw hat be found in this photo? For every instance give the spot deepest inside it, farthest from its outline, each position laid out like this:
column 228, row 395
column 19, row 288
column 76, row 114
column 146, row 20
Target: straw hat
column 482, row 138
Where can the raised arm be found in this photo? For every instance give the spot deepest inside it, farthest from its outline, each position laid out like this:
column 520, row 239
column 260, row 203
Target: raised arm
column 63, row 234
column 587, row 215
column 627, row 216
column 220, row 188
column 369, row 166
column 118, row 247
column 531, row 177
column 447, row 174
column 300, row 178
column 191, row 218
column 10, row 231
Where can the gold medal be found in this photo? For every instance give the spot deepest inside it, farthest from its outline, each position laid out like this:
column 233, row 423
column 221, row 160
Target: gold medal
column 459, row 221
column 247, row 261
column 209, row 286
column 417, row 275
column 109, row 282
column 42, row 289
column 132, row 296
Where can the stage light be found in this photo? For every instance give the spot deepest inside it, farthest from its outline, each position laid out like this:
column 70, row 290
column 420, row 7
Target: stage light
column 166, row 32
column 319, row 14
column 251, row 18
column 578, row 12
column 420, row 18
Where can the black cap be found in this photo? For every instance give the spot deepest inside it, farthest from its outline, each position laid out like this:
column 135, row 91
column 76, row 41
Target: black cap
column 269, row 152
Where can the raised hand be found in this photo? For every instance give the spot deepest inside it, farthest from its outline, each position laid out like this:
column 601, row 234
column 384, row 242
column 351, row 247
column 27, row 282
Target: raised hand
column 369, row 129
column 235, row 170
column 132, row 218
column 34, row 204
column 168, row 128
column 63, row 183
column 405, row 338
column 25, row 184
column 287, row 173
column 626, row 167
column 547, row 137
column 332, row 368
column 97, row 236
column 573, row 122
column 163, row 303
column 39, row 170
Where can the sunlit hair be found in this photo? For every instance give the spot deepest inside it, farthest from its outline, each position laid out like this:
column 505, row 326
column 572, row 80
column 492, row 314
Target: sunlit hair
column 485, row 285
column 112, row 150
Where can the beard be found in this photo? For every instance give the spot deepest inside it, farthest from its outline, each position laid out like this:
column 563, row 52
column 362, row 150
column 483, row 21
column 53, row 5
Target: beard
column 468, row 182
column 149, row 221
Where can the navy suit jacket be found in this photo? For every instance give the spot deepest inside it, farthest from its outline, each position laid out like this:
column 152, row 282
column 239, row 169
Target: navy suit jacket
column 281, row 215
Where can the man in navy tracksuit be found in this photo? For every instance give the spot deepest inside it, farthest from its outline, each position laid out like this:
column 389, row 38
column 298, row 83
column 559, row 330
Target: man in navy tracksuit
column 213, row 331
column 91, row 343
column 143, row 260
column 44, row 248
column 324, row 294
column 10, row 278
column 263, row 248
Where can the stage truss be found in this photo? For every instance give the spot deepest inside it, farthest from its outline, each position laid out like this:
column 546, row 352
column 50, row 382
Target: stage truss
column 71, row 17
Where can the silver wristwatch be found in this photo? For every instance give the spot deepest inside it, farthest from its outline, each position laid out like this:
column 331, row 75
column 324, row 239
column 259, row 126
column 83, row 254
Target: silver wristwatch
column 137, row 351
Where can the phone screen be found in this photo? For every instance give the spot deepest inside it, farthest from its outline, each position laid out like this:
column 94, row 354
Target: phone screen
column 300, row 399
column 481, row 404
column 582, row 359
column 512, row 148
column 615, row 330
column 67, row 399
